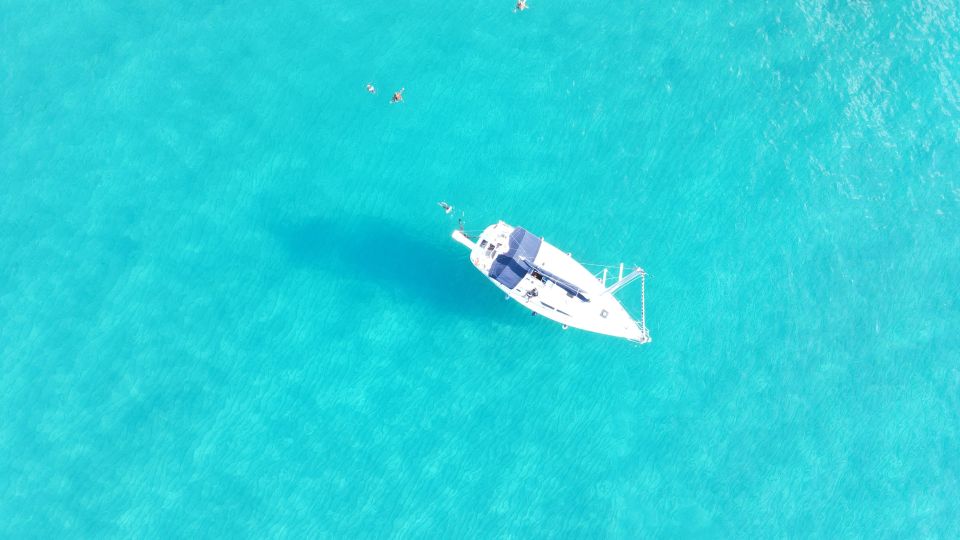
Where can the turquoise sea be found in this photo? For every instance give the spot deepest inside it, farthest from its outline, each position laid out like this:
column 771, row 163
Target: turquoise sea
column 230, row 307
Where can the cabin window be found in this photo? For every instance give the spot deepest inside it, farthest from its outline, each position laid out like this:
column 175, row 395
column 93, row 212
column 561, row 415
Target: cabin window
column 483, row 243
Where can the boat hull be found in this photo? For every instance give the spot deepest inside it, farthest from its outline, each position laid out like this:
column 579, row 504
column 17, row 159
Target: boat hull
column 549, row 282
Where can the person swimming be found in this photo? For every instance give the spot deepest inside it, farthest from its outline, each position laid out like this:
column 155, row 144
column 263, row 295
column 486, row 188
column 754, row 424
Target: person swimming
column 397, row 96
column 446, row 207
column 371, row 89
column 521, row 5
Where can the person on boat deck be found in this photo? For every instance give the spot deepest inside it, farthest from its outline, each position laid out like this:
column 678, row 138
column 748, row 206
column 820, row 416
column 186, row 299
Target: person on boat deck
column 397, row 96
column 521, row 5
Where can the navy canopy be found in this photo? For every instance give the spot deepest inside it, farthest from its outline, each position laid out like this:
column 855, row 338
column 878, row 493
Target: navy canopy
column 509, row 268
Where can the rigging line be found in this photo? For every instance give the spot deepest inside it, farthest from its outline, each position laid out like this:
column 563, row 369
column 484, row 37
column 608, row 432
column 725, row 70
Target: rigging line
column 606, row 265
column 523, row 253
column 601, row 266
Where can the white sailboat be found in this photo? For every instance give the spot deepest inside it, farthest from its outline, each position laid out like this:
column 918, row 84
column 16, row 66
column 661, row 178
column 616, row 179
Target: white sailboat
column 551, row 283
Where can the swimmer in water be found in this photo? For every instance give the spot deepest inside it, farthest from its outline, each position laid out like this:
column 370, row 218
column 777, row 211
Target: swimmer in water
column 446, row 207
column 521, row 5
column 397, row 96
column 371, row 89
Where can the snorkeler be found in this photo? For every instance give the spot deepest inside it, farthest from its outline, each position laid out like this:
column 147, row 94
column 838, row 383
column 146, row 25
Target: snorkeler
column 397, row 96
column 521, row 5
column 371, row 89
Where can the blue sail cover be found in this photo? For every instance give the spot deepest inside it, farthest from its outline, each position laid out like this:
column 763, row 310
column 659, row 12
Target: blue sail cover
column 509, row 268
column 571, row 288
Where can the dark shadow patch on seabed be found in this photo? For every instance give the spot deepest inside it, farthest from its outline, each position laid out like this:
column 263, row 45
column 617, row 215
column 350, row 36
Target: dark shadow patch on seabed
column 383, row 253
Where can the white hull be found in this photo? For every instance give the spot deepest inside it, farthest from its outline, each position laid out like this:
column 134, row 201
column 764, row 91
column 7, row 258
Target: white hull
column 549, row 282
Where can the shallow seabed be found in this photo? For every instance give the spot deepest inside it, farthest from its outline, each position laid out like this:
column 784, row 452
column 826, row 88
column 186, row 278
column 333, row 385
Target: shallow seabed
column 230, row 307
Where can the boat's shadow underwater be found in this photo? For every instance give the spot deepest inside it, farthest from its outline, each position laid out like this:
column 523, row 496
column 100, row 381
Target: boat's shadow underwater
column 435, row 271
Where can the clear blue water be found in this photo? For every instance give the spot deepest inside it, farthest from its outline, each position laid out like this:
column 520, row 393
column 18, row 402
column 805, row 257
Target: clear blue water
column 229, row 306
